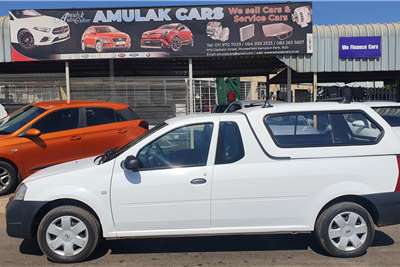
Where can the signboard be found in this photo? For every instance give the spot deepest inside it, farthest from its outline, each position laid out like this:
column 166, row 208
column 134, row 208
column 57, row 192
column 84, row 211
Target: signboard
column 202, row 31
column 360, row 47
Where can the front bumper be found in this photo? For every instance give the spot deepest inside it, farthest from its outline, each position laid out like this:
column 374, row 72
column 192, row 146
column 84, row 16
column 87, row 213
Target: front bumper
column 20, row 216
column 387, row 206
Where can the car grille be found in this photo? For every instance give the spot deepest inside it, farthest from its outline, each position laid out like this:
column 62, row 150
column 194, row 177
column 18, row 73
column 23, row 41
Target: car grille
column 60, row 30
column 119, row 39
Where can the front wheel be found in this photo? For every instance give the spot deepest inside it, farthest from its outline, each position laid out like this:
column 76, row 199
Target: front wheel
column 99, row 46
column 176, row 44
column 8, row 178
column 345, row 230
column 68, row 234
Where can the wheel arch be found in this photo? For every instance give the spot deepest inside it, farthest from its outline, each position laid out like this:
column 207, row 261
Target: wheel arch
column 362, row 201
column 57, row 203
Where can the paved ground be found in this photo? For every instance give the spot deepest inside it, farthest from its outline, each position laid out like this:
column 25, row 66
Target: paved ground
column 260, row 250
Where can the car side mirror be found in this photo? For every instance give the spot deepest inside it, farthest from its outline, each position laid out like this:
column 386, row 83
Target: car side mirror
column 359, row 124
column 131, row 163
column 32, row 133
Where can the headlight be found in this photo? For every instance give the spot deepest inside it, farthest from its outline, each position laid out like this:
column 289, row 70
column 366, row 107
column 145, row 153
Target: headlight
column 20, row 192
column 42, row 29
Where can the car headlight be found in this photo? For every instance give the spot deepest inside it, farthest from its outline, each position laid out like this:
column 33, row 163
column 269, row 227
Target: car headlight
column 42, row 29
column 20, row 192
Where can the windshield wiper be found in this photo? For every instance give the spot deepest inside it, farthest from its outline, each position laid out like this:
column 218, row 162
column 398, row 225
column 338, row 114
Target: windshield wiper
column 107, row 156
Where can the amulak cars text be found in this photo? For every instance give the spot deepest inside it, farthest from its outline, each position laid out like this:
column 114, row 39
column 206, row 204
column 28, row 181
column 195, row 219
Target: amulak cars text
column 296, row 168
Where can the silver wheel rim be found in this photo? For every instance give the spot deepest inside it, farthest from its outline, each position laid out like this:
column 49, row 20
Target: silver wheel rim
column 5, row 178
column 348, row 231
column 67, row 236
column 176, row 44
column 99, row 47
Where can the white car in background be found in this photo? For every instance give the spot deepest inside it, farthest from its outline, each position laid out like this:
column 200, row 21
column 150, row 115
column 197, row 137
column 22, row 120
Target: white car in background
column 3, row 113
column 390, row 111
column 29, row 29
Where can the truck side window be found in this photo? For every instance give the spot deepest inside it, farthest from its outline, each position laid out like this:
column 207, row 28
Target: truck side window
column 319, row 129
column 230, row 145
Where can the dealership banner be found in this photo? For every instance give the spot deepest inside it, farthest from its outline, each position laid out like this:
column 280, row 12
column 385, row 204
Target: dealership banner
column 187, row 31
column 360, row 47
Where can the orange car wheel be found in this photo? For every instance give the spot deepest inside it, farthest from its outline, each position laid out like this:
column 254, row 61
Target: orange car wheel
column 8, row 178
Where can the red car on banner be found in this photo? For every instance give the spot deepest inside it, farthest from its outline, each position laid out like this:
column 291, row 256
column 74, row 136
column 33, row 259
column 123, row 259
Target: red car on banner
column 173, row 36
column 105, row 37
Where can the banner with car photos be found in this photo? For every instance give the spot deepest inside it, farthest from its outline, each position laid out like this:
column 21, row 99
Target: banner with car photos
column 187, row 31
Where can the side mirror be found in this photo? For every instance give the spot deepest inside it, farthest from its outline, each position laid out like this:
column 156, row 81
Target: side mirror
column 359, row 124
column 131, row 163
column 32, row 133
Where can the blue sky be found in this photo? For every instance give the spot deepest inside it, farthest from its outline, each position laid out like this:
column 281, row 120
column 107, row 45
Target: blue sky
column 325, row 12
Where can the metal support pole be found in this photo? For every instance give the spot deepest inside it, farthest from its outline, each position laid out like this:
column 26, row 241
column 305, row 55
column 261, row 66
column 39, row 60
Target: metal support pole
column 111, row 74
column 289, row 85
column 67, row 81
column 191, row 108
column 267, row 88
column 315, row 87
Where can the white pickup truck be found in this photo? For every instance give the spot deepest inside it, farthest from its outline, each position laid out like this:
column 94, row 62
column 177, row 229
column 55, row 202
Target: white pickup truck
column 291, row 168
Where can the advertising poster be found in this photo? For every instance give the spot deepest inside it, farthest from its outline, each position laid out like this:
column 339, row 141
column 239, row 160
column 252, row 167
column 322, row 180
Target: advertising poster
column 203, row 31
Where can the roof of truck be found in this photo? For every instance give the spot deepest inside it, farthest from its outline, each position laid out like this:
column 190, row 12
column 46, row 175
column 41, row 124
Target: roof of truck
column 79, row 103
column 302, row 107
column 377, row 104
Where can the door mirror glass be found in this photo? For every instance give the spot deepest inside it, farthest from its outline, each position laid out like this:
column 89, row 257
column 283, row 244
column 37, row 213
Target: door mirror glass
column 131, row 163
column 32, row 133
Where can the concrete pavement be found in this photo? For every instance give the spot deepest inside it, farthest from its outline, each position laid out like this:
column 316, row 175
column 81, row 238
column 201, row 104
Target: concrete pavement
column 259, row 250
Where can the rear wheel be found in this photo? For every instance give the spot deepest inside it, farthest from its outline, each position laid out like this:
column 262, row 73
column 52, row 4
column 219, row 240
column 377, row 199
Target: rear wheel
column 345, row 230
column 8, row 178
column 83, row 46
column 68, row 234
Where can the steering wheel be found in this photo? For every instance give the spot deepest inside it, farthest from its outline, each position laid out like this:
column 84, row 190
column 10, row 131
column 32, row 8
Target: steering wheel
column 159, row 155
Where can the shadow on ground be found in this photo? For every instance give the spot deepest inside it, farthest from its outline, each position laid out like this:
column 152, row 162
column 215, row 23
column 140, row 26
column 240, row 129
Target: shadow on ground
column 207, row 244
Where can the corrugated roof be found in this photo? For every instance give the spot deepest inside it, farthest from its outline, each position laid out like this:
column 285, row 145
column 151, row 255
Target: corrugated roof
column 325, row 57
column 5, row 51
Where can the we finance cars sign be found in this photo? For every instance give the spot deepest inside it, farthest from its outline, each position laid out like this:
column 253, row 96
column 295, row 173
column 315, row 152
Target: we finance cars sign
column 195, row 31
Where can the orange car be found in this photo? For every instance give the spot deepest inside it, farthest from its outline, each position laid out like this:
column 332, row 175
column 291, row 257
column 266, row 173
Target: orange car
column 48, row 133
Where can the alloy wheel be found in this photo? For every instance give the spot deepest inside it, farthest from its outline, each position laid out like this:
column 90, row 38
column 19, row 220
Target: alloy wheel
column 176, row 44
column 26, row 40
column 5, row 178
column 67, row 236
column 348, row 231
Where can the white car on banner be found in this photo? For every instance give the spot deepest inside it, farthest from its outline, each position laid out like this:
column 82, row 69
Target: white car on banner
column 29, row 28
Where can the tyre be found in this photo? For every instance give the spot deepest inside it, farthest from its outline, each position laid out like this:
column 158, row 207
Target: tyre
column 345, row 230
column 26, row 39
column 83, row 46
column 176, row 44
column 8, row 178
column 99, row 46
column 68, row 234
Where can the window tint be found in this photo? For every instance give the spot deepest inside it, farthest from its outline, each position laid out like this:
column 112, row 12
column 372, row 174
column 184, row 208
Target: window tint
column 322, row 129
column 61, row 120
column 183, row 147
column 126, row 115
column 97, row 116
column 230, row 145
column 19, row 118
column 390, row 114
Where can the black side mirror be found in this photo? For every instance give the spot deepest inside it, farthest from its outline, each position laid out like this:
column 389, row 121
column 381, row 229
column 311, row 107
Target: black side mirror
column 131, row 163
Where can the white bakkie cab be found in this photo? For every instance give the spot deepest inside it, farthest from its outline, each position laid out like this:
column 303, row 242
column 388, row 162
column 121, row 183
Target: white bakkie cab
column 287, row 168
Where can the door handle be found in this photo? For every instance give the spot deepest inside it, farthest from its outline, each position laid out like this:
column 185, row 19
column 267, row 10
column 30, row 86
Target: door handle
column 122, row 131
column 75, row 138
column 198, row 181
